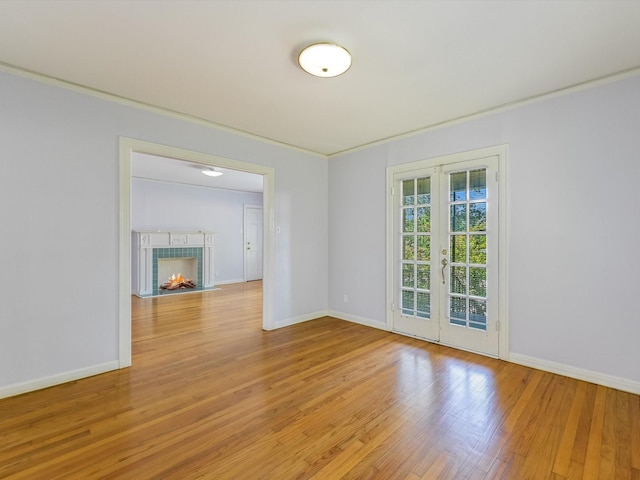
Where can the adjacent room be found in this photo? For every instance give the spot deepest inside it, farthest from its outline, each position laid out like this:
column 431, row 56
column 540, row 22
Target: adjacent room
column 175, row 198
column 226, row 257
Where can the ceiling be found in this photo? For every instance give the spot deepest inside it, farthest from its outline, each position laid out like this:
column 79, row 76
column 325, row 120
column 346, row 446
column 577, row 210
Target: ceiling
column 176, row 171
column 416, row 64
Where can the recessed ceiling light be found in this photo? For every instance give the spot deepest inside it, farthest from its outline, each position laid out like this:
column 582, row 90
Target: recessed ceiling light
column 325, row 59
column 212, row 172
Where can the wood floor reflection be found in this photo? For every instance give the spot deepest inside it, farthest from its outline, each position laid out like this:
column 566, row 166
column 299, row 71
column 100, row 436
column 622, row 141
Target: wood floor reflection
column 212, row 396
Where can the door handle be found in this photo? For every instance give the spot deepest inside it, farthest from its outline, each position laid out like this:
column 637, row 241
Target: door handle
column 444, row 263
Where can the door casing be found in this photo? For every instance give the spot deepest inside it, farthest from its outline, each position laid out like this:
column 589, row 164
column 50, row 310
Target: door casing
column 129, row 145
column 501, row 152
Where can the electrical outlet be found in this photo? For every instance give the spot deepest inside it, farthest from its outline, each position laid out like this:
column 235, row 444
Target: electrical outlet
column 345, row 299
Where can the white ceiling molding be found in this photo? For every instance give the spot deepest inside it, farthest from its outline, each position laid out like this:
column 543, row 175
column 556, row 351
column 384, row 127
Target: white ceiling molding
column 416, row 65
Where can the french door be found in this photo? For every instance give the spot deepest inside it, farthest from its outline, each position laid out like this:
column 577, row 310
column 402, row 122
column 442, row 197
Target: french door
column 445, row 254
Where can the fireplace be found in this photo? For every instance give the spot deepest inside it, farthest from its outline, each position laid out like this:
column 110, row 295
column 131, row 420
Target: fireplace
column 158, row 256
column 171, row 262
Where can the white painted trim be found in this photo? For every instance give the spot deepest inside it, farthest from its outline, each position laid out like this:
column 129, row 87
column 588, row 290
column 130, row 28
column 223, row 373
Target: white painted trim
column 525, row 360
column 39, row 77
column 464, row 156
column 229, row 282
column 301, row 319
column 124, row 256
column 38, row 384
column 494, row 110
column 268, row 251
column 389, row 254
column 130, row 145
column 503, row 248
column 367, row 322
column 380, row 326
column 503, row 261
column 577, row 373
column 618, row 383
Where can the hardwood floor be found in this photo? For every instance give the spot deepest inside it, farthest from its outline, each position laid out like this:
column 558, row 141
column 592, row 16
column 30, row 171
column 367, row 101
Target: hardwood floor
column 212, row 396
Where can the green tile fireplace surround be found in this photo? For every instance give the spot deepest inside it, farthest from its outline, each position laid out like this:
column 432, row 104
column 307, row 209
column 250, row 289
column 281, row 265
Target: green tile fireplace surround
column 150, row 248
column 172, row 253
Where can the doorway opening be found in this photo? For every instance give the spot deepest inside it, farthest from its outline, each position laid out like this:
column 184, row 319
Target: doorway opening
column 130, row 147
column 446, row 257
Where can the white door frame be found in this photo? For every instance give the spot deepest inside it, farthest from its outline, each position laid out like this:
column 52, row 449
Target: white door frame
column 129, row 146
column 244, row 234
column 503, row 287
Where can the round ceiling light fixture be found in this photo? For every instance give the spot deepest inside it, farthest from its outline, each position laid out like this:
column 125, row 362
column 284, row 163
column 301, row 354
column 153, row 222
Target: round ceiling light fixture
column 212, row 172
column 325, row 59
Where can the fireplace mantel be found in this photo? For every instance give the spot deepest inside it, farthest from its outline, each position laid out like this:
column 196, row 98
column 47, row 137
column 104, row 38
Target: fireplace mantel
column 143, row 243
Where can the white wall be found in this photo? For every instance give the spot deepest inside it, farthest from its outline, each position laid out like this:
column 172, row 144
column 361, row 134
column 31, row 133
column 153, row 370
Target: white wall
column 60, row 206
column 170, row 206
column 573, row 172
column 573, row 229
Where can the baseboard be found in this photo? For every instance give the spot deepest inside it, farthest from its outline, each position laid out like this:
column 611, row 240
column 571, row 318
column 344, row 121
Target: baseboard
column 20, row 388
column 581, row 374
column 618, row 383
column 228, row 282
column 356, row 319
column 302, row 318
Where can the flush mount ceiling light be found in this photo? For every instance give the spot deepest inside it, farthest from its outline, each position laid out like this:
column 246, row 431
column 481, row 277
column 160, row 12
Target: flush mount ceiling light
column 325, row 59
column 211, row 172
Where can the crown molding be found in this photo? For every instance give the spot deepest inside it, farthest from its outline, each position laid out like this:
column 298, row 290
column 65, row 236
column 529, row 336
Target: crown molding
column 57, row 82
column 632, row 72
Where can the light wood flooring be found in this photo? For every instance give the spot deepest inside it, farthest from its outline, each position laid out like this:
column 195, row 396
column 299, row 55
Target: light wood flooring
column 212, row 396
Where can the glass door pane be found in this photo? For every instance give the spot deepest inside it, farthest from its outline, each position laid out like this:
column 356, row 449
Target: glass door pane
column 415, row 214
column 467, row 296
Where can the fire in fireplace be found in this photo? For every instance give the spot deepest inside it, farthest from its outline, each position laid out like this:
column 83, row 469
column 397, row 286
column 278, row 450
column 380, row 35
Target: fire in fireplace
column 158, row 255
column 178, row 282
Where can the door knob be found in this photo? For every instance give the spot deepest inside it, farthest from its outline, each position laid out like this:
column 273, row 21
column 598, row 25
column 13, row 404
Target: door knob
column 444, row 263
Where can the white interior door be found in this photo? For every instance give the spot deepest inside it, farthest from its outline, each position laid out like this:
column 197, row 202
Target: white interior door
column 252, row 243
column 445, row 254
